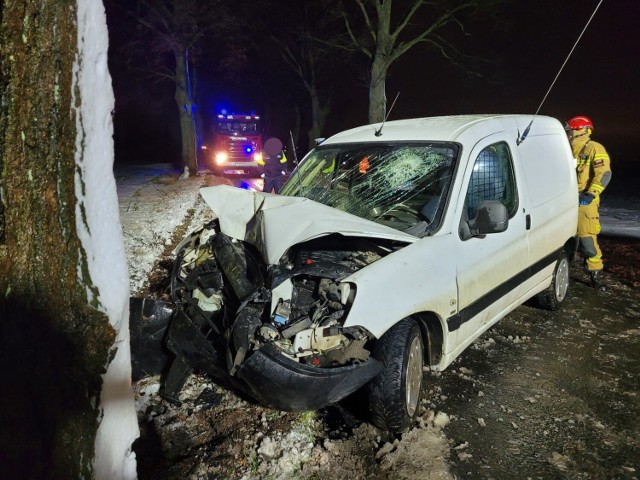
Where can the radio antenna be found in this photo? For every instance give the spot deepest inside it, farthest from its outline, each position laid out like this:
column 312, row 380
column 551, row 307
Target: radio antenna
column 526, row 132
column 379, row 131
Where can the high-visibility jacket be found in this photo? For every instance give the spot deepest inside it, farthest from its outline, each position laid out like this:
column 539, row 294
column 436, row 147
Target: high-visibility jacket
column 593, row 166
column 273, row 165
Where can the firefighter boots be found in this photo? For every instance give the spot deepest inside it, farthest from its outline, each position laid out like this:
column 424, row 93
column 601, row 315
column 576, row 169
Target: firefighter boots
column 597, row 281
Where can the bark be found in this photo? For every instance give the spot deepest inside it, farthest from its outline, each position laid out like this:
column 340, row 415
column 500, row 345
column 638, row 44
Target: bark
column 319, row 113
column 377, row 89
column 380, row 64
column 186, row 109
column 295, row 131
column 54, row 344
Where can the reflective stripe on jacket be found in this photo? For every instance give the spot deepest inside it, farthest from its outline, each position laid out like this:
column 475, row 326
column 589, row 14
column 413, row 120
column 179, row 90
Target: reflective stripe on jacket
column 593, row 168
column 274, row 165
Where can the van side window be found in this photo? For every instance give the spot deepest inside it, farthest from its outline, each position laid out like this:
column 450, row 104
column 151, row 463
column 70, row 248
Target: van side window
column 492, row 179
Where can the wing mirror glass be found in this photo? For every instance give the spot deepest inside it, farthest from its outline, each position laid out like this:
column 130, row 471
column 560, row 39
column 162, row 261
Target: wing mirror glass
column 492, row 216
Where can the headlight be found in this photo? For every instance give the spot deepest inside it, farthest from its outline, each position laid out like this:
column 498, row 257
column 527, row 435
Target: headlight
column 257, row 156
column 221, row 157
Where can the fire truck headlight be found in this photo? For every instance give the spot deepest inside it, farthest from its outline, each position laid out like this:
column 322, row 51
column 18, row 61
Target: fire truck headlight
column 257, row 156
column 221, row 157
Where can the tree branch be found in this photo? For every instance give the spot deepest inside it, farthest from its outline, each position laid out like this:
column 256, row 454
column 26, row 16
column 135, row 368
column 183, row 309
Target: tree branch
column 446, row 55
column 443, row 20
column 352, row 36
column 412, row 10
column 367, row 20
column 291, row 60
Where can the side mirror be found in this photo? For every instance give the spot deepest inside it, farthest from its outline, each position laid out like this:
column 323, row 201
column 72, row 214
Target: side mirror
column 492, row 216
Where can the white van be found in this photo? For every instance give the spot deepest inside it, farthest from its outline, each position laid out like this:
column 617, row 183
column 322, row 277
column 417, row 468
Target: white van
column 390, row 247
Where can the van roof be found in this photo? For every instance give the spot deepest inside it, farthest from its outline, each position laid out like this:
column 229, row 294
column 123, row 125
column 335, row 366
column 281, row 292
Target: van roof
column 455, row 128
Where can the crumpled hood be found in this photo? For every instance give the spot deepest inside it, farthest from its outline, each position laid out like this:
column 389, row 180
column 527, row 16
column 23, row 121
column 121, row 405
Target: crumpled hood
column 273, row 223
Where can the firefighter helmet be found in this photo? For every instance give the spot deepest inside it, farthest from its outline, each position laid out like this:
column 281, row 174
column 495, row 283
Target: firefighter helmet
column 580, row 122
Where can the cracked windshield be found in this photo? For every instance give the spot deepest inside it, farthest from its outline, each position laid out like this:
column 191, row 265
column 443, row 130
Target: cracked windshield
column 403, row 186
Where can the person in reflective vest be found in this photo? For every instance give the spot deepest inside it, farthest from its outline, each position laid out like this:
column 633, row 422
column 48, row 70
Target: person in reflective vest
column 273, row 165
column 594, row 174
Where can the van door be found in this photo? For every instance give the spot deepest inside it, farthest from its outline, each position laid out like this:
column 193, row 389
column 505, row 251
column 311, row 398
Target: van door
column 548, row 170
column 488, row 267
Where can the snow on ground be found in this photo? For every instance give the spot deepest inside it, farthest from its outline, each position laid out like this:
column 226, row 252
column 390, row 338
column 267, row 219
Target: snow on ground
column 619, row 219
column 153, row 204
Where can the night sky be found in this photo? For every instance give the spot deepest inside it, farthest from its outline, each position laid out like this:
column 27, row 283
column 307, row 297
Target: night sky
column 523, row 49
column 600, row 80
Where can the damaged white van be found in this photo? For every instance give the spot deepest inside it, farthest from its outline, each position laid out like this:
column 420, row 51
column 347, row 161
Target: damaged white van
column 391, row 247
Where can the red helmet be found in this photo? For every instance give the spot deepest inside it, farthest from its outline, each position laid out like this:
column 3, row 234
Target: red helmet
column 580, row 122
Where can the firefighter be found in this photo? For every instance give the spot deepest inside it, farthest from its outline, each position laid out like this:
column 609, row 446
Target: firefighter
column 273, row 165
column 594, row 173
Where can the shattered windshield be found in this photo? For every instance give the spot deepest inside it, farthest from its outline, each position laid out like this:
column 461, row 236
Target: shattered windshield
column 401, row 185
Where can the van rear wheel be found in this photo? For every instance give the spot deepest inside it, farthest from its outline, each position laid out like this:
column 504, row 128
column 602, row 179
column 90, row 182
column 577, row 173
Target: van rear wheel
column 554, row 295
column 394, row 395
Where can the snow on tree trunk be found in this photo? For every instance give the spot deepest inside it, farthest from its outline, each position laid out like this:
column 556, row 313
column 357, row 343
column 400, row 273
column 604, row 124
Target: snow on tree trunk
column 67, row 407
column 186, row 111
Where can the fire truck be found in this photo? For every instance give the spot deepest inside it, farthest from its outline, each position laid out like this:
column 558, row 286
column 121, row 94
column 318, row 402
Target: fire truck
column 237, row 145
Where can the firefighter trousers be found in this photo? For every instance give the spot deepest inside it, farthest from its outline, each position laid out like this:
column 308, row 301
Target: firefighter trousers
column 588, row 230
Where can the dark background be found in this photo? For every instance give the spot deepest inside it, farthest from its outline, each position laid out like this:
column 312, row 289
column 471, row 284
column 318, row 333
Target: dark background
column 522, row 52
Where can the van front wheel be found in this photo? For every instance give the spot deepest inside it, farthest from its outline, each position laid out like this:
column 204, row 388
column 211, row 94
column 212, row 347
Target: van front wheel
column 394, row 395
column 554, row 295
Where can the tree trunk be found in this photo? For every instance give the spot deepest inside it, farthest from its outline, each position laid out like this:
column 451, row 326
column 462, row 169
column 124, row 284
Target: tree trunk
column 319, row 113
column 380, row 65
column 377, row 94
column 295, row 132
column 55, row 342
column 186, row 110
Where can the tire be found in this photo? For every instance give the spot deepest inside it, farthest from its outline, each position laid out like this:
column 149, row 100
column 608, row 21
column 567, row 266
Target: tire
column 554, row 295
column 394, row 394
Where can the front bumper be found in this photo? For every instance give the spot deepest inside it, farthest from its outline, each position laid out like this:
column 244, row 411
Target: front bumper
column 281, row 383
column 266, row 375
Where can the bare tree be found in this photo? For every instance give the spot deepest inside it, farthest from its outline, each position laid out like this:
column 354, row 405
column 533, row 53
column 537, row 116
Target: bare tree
column 57, row 338
column 421, row 22
column 308, row 58
column 170, row 43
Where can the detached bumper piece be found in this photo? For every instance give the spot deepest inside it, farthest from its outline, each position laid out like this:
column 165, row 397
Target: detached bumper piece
column 148, row 323
column 285, row 384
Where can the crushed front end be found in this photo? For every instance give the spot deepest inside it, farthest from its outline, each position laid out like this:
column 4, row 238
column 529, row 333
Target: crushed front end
column 275, row 331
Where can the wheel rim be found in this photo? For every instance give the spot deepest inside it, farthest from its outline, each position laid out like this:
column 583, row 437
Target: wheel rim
column 562, row 279
column 414, row 375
